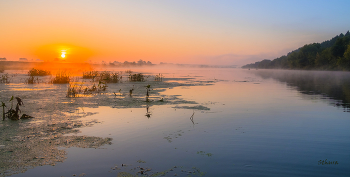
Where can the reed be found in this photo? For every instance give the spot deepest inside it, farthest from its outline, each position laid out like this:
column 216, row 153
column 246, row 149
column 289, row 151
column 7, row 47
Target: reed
column 5, row 78
column 136, row 77
column 61, row 78
column 32, row 80
column 38, row 72
column 158, row 77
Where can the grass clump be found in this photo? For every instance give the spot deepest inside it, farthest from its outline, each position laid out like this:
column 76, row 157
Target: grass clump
column 128, row 71
column 5, row 78
column 158, row 77
column 136, row 77
column 109, row 77
column 38, row 72
column 74, row 90
column 32, row 80
column 61, row 78
column 90, row 74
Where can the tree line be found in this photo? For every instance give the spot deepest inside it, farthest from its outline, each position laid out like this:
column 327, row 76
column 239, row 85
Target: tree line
column 332, row 54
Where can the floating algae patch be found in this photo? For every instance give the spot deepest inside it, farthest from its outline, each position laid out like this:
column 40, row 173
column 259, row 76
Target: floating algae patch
column 204, row 153
column 33, row 146
column 124, row 174
column 197, row 107
column 132, row 171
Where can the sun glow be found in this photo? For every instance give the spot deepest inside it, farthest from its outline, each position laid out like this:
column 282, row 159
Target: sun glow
column 63, row 53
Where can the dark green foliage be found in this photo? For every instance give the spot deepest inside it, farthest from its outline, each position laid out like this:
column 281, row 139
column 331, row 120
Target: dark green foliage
column 333, row 54
column 38, row 72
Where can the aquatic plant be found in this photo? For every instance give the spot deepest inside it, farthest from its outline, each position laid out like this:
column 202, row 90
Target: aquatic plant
column 158, row 77
column 14, row 114
column 32, row 80
column 128, row 71
column 38, row 72
column 61, row 78
column 110, row 77
column 3, row 110
column 148, row 89
column 71, row 91
column 102, row 85
column 136, row 77
column 90, row 74
column 130, row 91
column 5, row 78
column 74, row 90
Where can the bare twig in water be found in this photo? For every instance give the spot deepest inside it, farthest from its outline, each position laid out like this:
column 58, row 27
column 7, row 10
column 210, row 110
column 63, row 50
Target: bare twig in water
column 191, row 118
column 3, row 110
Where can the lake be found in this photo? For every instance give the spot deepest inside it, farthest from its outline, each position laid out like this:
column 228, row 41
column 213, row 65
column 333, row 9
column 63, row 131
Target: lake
column 195, row 122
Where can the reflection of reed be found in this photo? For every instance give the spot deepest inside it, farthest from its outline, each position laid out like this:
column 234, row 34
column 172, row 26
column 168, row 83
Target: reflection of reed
column 191, row 118
column 148, row 114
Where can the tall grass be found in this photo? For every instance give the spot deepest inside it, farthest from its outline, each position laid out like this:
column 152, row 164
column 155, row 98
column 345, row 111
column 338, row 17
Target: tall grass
column 32, row 80
column 5, row 78
column 136, row 77
column 61, row 78
column 90, row 74
column 38, row 72
column 74, row 90
column 158, row 77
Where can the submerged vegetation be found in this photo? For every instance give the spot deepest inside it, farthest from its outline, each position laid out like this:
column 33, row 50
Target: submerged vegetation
column 332, row 54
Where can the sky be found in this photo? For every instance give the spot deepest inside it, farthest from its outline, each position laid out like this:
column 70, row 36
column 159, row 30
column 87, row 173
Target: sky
column 216, row 32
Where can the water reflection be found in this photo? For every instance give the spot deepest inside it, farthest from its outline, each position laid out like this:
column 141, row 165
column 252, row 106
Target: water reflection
column 148, row 114
column 327, row 85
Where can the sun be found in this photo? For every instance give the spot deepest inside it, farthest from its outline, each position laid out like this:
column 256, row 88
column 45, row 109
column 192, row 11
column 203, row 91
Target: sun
column 63, row 53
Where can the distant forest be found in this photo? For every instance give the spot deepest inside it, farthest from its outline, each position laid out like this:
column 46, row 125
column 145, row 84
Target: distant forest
column 332, row 54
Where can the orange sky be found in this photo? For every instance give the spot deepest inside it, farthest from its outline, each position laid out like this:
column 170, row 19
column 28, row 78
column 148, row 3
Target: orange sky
column 227, row 32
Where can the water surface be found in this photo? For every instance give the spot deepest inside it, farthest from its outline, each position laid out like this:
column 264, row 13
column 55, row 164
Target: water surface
column 211, row 122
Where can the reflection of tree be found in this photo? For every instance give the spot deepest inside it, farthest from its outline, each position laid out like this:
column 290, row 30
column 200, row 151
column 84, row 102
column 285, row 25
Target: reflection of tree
column 38, row 146
column 329, row 85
